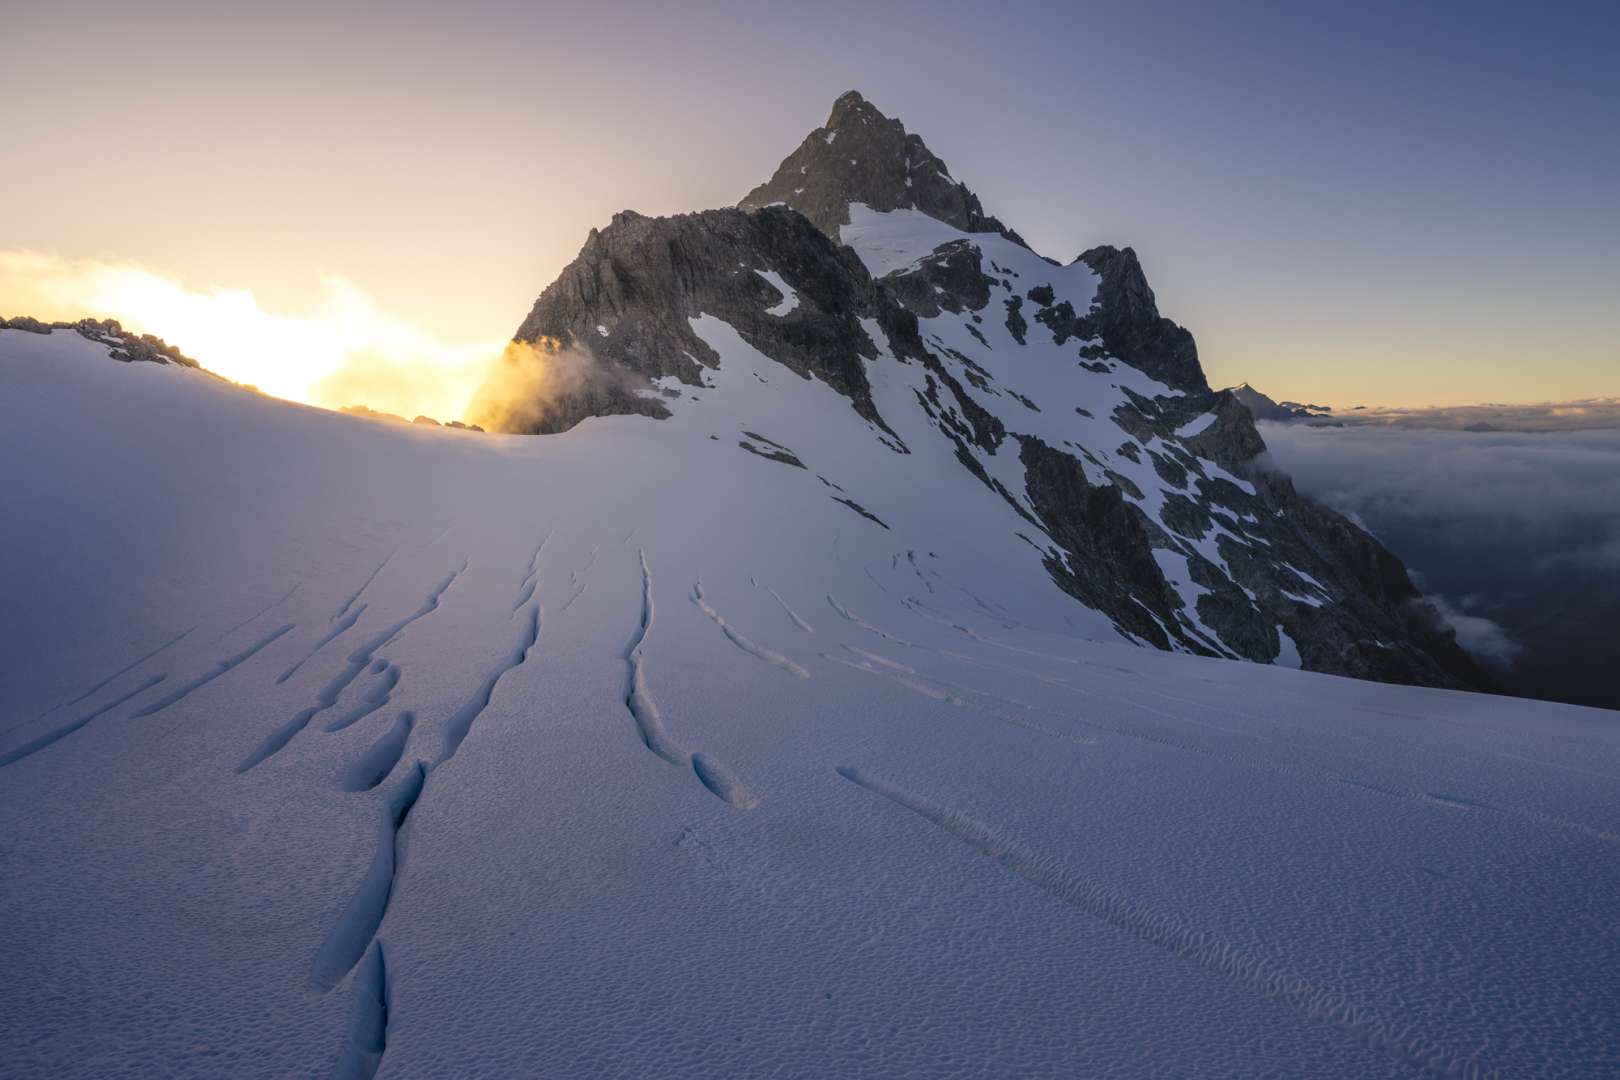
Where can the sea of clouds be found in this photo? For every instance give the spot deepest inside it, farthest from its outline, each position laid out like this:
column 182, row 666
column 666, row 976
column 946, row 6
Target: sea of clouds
column 1509, row 517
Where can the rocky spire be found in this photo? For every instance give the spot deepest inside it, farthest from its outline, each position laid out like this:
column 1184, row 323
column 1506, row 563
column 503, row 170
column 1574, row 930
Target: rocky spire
column 862, row 156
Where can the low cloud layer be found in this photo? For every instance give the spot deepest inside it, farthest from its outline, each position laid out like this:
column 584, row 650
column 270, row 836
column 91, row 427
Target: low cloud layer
column 345, row 350
column 1515, row 535
column 1588, row 414
column 1543, row 481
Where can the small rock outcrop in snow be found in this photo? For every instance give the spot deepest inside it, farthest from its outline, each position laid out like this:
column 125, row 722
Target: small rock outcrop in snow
column 126, row 346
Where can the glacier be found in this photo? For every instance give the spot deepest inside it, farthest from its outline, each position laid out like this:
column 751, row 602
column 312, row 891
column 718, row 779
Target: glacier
column 334, row 747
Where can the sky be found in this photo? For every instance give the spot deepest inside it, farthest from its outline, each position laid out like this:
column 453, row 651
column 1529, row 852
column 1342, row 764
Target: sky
column 1349, row 204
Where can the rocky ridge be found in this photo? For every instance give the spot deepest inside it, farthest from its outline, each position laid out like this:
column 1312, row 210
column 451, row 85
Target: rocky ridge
column 126, row 346
column 1262, row 407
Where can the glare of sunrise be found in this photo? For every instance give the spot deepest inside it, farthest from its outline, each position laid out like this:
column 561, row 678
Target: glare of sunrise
column 344, row 351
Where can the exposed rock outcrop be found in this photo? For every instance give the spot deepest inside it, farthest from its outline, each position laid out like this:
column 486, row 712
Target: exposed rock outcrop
column 862, row 156
column 628, row 299
column 126, row 346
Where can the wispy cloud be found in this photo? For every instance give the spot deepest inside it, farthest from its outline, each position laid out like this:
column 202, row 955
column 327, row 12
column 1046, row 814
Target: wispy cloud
column 1485, row 638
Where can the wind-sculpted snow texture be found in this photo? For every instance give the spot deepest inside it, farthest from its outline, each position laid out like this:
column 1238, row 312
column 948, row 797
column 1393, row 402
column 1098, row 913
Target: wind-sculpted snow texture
column 627, row 753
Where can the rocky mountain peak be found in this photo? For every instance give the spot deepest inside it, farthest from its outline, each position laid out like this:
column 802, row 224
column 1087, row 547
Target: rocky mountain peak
column 1126, row 316
column 1263, row 407
column 1053, row 405
column 862, row 156
column 849, row 105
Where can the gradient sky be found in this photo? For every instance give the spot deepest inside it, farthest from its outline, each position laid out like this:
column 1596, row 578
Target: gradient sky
column 1410, row 204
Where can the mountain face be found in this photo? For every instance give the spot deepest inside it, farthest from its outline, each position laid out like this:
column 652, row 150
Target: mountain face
column 1082, row 412
column 1262, row 407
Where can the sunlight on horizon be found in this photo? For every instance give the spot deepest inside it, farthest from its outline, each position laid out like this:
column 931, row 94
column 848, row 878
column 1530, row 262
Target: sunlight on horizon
column 344, row 351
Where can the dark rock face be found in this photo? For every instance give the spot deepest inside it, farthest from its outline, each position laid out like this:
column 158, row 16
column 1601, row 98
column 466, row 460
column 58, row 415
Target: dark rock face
column 862, row 156
column 1365, row 619
column 1232, row 441
column 1125, row 316
column 951, row 279
column 26, row 323
column 629, row 295
column 1376, row 624
column 1262, row 407
column 769, row 449
column 1110, row 564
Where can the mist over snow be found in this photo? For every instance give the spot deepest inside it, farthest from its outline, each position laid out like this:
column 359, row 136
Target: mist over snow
column 1515, row 534
column 535, row 383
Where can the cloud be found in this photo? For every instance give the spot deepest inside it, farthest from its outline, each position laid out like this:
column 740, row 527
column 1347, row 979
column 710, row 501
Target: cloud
column 1586, row 414
column 1483, row 637
column 1523, row 527
column 345, row 350
column 1546, row 482
column 1602, row 556
column 523, row 387
column 544, row 386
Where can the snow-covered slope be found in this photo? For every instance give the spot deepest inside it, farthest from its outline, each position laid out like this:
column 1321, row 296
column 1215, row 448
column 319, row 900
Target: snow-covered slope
column 333, row 747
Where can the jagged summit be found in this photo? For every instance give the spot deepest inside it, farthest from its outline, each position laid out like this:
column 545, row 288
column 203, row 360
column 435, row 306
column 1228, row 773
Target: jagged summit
column 1263, row 407
column 862, row 156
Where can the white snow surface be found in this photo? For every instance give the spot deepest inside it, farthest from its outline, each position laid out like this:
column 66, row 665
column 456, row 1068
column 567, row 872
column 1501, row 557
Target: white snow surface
column 338, row 747
column 1290, row 651
column 790, row 297
column 1036, row 388
column 1196, row 426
